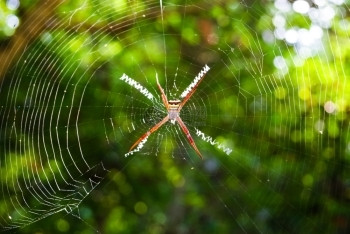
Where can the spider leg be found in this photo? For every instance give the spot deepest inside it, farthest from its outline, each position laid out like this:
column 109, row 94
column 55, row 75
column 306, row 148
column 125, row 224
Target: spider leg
column 188, row 135
column 190, row 93
column 155, row 127
column 164, row 98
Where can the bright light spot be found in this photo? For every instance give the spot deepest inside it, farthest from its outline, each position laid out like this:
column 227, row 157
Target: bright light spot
column 330, row 107
column 304, row 94
column 223, row 20
column 322, row 16
column 308, row 180
column 110, row 50
column 291, row 36
column 344, row 24
column 305, row 37
column 211, row 165
column 280, row 62
column 160, row 218
column 320, row 2
column 316, row 31
column 62, row 225
column 140, row 208
column 305, row 52
column 10, row 217
column 337, row 2
column 212, row 39
column 268, row 36
column 319, row 126
column 178, row 181
column 341, row 105
column 298, row 61
column 12, row 21
column 12, row 4
column 280, row 93
column 314, row 14
column 46, row 38
column 280, row 33
column 327, row 13
column 279, row 21
column 301, row 6
column 283, row 5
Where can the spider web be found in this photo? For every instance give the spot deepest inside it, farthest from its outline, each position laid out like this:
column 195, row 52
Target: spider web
column 270, row 117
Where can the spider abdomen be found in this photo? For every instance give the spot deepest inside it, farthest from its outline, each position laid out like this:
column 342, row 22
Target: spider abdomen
column 173, row 110
column 173, row 114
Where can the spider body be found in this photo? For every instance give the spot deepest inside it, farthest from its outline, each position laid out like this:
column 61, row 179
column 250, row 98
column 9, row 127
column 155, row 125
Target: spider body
column 173, row 108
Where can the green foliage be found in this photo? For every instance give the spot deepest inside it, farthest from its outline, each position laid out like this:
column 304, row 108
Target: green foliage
column 288, row 172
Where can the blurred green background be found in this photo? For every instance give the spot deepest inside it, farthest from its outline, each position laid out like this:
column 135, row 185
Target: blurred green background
column 277, row 95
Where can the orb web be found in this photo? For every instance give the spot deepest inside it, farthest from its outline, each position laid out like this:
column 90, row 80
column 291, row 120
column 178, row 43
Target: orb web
column 269, row 117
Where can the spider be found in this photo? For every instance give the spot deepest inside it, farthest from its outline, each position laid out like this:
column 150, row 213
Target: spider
column 174, row 107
